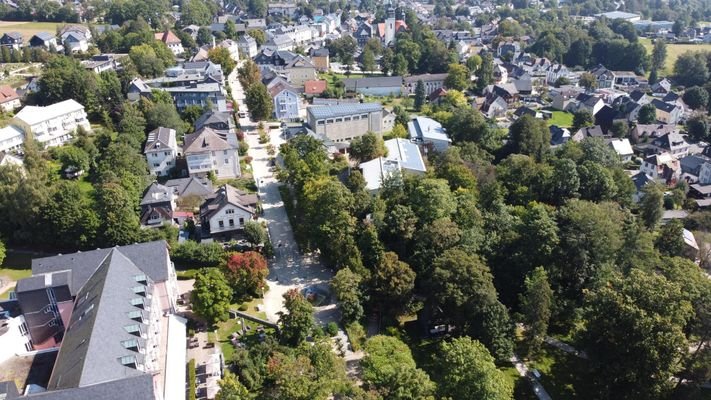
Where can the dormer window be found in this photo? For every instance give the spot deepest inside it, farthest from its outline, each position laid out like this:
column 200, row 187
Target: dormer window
column 128, row 361
column 140, row 290
column 131, row 344
column 136, row 316
column 138, row 302
column 134, row 329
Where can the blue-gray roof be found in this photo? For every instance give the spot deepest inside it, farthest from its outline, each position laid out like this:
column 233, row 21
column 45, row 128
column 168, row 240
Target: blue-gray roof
column 151, row 258
column 342, row 110
column 44, row 36
column 134, row 388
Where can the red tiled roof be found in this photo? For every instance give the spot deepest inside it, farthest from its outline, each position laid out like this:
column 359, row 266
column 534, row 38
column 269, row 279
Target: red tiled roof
column 7, row 94
column 398, row 24
column 314, row 87
column 167, row 37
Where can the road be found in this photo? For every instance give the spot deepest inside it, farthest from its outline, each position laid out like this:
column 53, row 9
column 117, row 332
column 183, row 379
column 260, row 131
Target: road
column 289, row 269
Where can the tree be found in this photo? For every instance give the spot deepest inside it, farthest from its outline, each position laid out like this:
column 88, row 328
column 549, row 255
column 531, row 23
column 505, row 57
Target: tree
column 69, row 217
column 204, row 36
column 469, row 373
column 670, row 240
column 389, row 368
column 651, row 207
column 647, row 114
column 298, row 320
column 581, row 119
column 231, row 388
column 230, row 29
column 634, row 336
column 147, row 61
column 71, row 156
column 393, row 282
column 530, row 136
column 619, row 129
column 255, row 233
column 222, row 56
column 211, row 295
column 368, row 147
column 588, row 81
column 346, row 286
column 485, row 75
column 432, row 199
column 3, row 253
column 536, row 304
column 195, row 12
column 690, row 69
column 64, row 78
column 457, row 77
column 400, row 65
column 659, row 54
column 119, row 222
column 164, row 115
column 258, row 35
column 419, row 95
column 698, row 126
column 597, row 183
column 247, row 273
column 259, row 102
column 461, row 286
column 257, row 8
column 368, row 60
column 248, row 74
column 696, row 97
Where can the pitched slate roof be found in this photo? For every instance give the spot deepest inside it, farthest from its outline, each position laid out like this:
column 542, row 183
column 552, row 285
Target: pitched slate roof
column 213, row 117
column 205, row 139
column 32, row 115
column 157, row 193
column 150, row 257
column 190, row 186
column 160, row 138
column 44, row 36
column 377, row 82
column 660, row 105
column 135, row 388
column 227, row 194
column 92, row 346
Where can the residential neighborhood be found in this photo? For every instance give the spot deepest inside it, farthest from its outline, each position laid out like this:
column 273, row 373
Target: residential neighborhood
column 355, row 200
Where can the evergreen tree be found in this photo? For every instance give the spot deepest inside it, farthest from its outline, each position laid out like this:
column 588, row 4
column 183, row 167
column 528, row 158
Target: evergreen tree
column 419, row 95
column 536, row 303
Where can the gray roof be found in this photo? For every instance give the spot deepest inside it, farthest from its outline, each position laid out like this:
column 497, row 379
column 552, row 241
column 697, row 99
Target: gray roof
column 91, row 349
column 157, row 193
column 135, row 388
column 423, row 128
column 190, row 186
column 341, row 110
column 150, row 257
column 227, row 194
column 44, row 36
column 213, row 117
column 660, row 105
column 37, row 282
column 377, row 82
column 159, row 138
column 205, row 139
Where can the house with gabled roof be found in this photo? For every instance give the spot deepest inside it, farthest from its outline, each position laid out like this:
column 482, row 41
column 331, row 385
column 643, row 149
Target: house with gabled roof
column 207, row 152
column 161, row 151
column 299, row 70
column 75, row 41
column 403, row 157
column 9, row 99
column 157, row 206
column 667, row 113
column 171, row 40
column 45, row 40
column 287, row 102
column 227, row 211
column 428, row 133
column 12, row 40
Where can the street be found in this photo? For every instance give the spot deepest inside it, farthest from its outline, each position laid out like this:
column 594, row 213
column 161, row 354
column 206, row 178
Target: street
column 289, row 269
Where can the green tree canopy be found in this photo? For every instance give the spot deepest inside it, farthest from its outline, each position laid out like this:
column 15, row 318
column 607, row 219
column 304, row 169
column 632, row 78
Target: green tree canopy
column 211, row 295
column 298, row 320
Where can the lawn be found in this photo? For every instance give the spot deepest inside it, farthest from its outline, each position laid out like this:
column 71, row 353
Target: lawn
column 673, row 52
column 562, row 119
column 29, row 29
column 564, row 376
column 226, row 328
column 15, row 275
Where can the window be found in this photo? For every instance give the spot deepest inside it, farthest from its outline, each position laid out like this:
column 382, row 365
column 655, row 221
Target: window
column 141, row 278
column 165, row 153
column 138, row 302
column 232, row 222
column 139, row 290
column 221, row 224
column 131, row 344
column 224, row 152
column 241, row 222
column 155, row 164
column 227, row 160
column 136, row 316
column 229, row 211
column 23, row 329
column 128, row 361
column 134, row 329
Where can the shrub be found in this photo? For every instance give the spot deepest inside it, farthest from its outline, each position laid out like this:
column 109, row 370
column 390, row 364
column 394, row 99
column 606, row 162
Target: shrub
column 332, row 329
column 198, row 255
column 191, row 379
column 356, row 335
column 243, row 307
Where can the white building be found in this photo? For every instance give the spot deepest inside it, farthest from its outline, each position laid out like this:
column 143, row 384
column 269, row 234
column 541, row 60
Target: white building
column 228, row 210
column 232, row 47
column 429, row 133
column 403, row 157
column 161, row 151
column 623, row 148
column 11, row 138
column 52, row 125
column 206, row 151
column 75, row 41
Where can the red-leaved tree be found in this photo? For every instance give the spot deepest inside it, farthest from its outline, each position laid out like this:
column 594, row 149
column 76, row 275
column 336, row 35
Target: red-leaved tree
column 247, row 273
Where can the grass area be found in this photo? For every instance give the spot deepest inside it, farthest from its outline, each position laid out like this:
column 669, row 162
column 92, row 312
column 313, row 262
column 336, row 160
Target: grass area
column 29, row 29
column 226, row 328
column 673, row 52
column 522, row 388
column 14, row 81
column 12, row 274
column 332, row 77
column 561, row 118
column 563, row 375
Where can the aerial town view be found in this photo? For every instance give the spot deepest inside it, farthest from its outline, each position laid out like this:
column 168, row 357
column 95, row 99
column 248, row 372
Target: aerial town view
column 355, row 200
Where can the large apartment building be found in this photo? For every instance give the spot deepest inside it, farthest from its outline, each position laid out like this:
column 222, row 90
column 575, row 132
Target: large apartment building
column 51, row 125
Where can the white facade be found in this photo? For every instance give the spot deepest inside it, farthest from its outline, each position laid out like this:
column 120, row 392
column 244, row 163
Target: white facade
column 161, row 151
column 11, row 105
column 75, row 42
column 52, row 125
column 11, row 138
column 232, row 47
column 16, row 340
column 229, row 218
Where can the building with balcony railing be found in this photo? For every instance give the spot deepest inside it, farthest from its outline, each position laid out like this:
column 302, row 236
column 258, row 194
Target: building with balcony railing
column 52, row 125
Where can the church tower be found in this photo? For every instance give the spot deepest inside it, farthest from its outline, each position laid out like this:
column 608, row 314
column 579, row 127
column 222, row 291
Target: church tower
column 390, row 26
